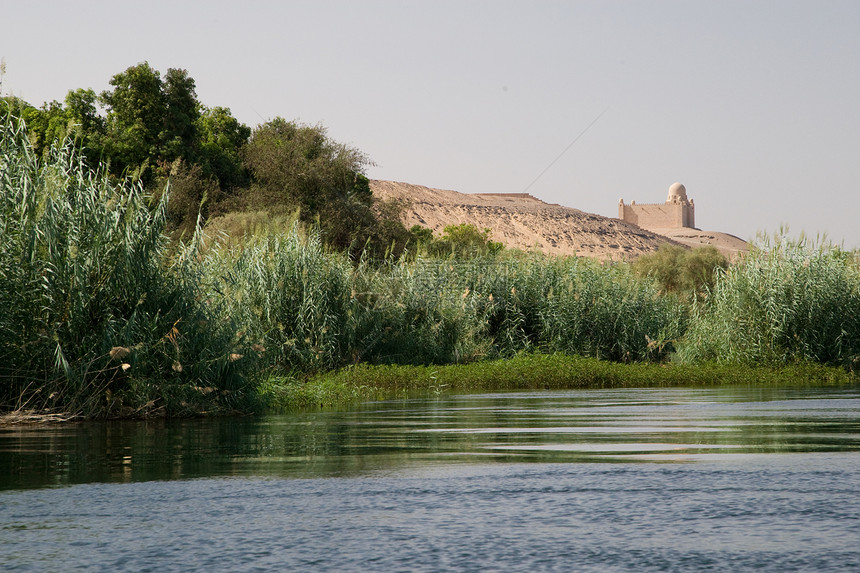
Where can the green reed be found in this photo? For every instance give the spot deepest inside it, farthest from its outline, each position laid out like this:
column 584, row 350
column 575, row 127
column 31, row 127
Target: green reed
column 96, row 315
column 313, row 310
column 787, row 300
column 292, row 299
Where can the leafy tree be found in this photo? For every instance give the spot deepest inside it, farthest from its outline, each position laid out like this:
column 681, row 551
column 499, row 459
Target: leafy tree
column 85, row 123
column 45, row 125
column 78, row 119
column 299, row 167
column 221, row 139
column 178, row 137
column 149, row 120
column 136, row 112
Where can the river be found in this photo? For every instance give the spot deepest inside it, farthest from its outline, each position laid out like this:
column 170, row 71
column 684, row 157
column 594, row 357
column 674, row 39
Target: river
column 719, row 479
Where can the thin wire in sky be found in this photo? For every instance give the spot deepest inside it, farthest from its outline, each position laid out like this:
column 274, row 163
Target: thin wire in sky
column 581, row 133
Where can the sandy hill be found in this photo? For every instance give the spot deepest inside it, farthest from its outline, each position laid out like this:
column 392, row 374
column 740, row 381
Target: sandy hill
column 729, row 245
column 525, row 222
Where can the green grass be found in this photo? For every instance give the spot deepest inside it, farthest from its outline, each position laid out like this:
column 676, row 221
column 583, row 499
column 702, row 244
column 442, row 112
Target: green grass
column 526, row 372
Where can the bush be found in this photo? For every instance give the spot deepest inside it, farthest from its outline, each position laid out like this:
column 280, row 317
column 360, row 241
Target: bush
column 688, row 272
column 463, row 242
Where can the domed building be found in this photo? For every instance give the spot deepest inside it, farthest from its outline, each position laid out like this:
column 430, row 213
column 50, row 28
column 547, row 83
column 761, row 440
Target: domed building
column 677, row 193
column 677, row 212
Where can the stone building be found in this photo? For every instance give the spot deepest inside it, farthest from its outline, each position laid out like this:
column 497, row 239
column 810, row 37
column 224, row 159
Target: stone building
column 677, row 212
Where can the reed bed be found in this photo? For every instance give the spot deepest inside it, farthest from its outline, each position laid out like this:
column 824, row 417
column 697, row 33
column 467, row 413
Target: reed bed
column 788, row 300
column 291, row 299
column 314, row 311
column 97, row 315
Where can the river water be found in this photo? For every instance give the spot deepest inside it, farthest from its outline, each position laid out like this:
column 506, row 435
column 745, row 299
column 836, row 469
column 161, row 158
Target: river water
column 728, row 479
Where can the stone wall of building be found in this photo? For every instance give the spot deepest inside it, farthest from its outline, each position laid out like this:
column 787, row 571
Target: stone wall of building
column 676, row 212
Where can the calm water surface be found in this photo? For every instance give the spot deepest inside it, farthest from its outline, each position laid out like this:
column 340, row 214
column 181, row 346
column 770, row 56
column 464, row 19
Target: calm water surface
column 729, row 479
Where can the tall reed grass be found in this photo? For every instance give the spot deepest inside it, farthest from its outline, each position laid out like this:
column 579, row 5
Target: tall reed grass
column 313, row 310
column 291, row 298
column 96, row 315
column 787, row 300
column 492, row 308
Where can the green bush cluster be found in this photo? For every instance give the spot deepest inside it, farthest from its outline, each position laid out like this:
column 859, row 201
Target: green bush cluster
column 462, row 241
column 690, row 273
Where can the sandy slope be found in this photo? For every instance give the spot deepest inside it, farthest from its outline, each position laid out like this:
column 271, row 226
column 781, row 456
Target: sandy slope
column 730, row 245
column 526, row 223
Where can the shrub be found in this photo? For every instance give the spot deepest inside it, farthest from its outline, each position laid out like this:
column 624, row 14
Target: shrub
column 688, row 272
column 464, row 241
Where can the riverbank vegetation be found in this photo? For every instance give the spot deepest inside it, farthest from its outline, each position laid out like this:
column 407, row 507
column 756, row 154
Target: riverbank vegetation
column 181, row 263
column 533, row 371
column 98, row 313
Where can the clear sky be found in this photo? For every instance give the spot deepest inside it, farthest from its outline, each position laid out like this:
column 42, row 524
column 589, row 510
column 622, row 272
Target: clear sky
column 753, row 105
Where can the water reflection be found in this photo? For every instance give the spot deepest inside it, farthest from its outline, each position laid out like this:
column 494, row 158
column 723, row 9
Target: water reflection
column 619, row 425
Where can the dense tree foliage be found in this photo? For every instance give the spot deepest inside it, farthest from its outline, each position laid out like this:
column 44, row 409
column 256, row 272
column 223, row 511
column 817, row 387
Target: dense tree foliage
column 220, row 139
column 84, row 123
column 150, row 120
column 298, row 167
column 153, row 129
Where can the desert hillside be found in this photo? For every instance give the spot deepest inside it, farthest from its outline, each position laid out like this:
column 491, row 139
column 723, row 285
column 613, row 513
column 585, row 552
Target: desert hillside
column 729, row 245
column 525, row 222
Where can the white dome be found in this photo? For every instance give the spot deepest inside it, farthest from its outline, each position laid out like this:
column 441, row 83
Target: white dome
column 677, row 190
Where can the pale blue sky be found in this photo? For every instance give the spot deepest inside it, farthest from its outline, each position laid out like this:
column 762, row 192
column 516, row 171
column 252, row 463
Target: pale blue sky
column 753, row 105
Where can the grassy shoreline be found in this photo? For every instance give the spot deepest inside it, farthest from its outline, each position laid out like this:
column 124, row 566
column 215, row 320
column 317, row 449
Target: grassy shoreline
column 364, row 382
